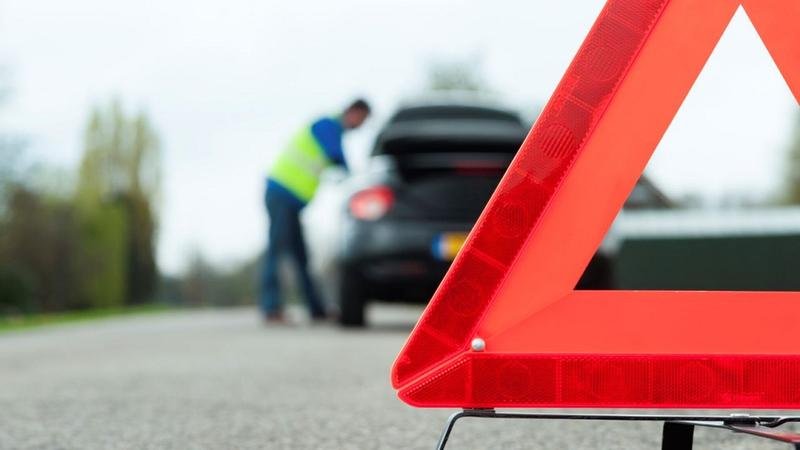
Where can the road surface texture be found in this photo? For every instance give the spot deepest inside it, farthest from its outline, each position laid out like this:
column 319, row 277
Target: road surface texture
column 219, row 379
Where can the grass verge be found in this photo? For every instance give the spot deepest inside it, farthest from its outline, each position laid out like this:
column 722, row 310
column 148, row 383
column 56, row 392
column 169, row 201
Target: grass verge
column 39, row 320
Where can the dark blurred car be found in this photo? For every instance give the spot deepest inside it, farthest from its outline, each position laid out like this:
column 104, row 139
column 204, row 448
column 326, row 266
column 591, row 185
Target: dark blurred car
column 433, row 168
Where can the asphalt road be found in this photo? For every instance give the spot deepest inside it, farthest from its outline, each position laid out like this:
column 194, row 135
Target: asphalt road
column 220, row 379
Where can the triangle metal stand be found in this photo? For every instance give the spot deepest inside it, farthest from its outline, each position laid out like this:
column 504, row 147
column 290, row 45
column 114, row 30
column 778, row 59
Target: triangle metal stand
column 678, row 431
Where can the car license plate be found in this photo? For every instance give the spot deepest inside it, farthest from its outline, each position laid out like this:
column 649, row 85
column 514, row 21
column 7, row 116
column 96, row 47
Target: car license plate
column 446, row 245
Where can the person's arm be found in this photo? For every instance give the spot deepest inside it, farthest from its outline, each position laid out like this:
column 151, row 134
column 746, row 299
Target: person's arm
column 328, row 133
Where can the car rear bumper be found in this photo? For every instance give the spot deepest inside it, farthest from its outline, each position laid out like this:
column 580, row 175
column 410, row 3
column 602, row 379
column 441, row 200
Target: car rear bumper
column 397, row 258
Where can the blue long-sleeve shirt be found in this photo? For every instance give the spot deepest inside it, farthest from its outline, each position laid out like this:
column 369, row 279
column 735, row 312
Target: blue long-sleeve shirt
column 329, row 131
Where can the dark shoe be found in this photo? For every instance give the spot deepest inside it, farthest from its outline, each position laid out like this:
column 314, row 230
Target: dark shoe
column 275, row 318
column 322, row 318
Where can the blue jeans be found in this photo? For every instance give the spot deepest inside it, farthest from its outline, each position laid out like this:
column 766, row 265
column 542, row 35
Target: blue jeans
column 286, row 238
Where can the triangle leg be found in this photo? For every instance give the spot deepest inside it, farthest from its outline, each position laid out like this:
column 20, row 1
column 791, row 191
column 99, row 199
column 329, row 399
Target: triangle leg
column 677, row 436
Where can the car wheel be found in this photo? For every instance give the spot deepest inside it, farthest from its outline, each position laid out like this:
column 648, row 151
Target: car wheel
column 352, row 299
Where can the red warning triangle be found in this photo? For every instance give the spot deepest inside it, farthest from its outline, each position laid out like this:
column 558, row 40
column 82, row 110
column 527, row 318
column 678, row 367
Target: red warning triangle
column 537, row 341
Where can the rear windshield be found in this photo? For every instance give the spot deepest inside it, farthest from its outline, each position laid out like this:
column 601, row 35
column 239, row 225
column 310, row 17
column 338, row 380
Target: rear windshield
column 417, row 146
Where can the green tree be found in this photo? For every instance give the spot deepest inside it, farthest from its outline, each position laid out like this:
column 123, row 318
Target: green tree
column 11, row 147
column 16, row 281
column 116, row 198
column 793, row 166
column 38, row 248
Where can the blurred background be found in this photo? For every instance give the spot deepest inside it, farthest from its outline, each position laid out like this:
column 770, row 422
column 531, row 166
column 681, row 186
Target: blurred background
column 135, row 137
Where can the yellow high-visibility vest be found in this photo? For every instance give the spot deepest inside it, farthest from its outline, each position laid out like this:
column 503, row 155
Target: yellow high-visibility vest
column 300, row 164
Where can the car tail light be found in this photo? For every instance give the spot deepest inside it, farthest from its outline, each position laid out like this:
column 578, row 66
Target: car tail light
column 372, row 203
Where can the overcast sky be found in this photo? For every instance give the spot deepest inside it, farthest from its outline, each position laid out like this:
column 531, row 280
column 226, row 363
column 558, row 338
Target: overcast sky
column 227, row 82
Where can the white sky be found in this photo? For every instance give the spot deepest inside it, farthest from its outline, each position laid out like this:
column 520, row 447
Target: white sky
column 227, row 82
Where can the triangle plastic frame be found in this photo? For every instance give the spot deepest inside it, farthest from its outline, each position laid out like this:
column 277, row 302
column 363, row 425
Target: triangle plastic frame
column 506, row 327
